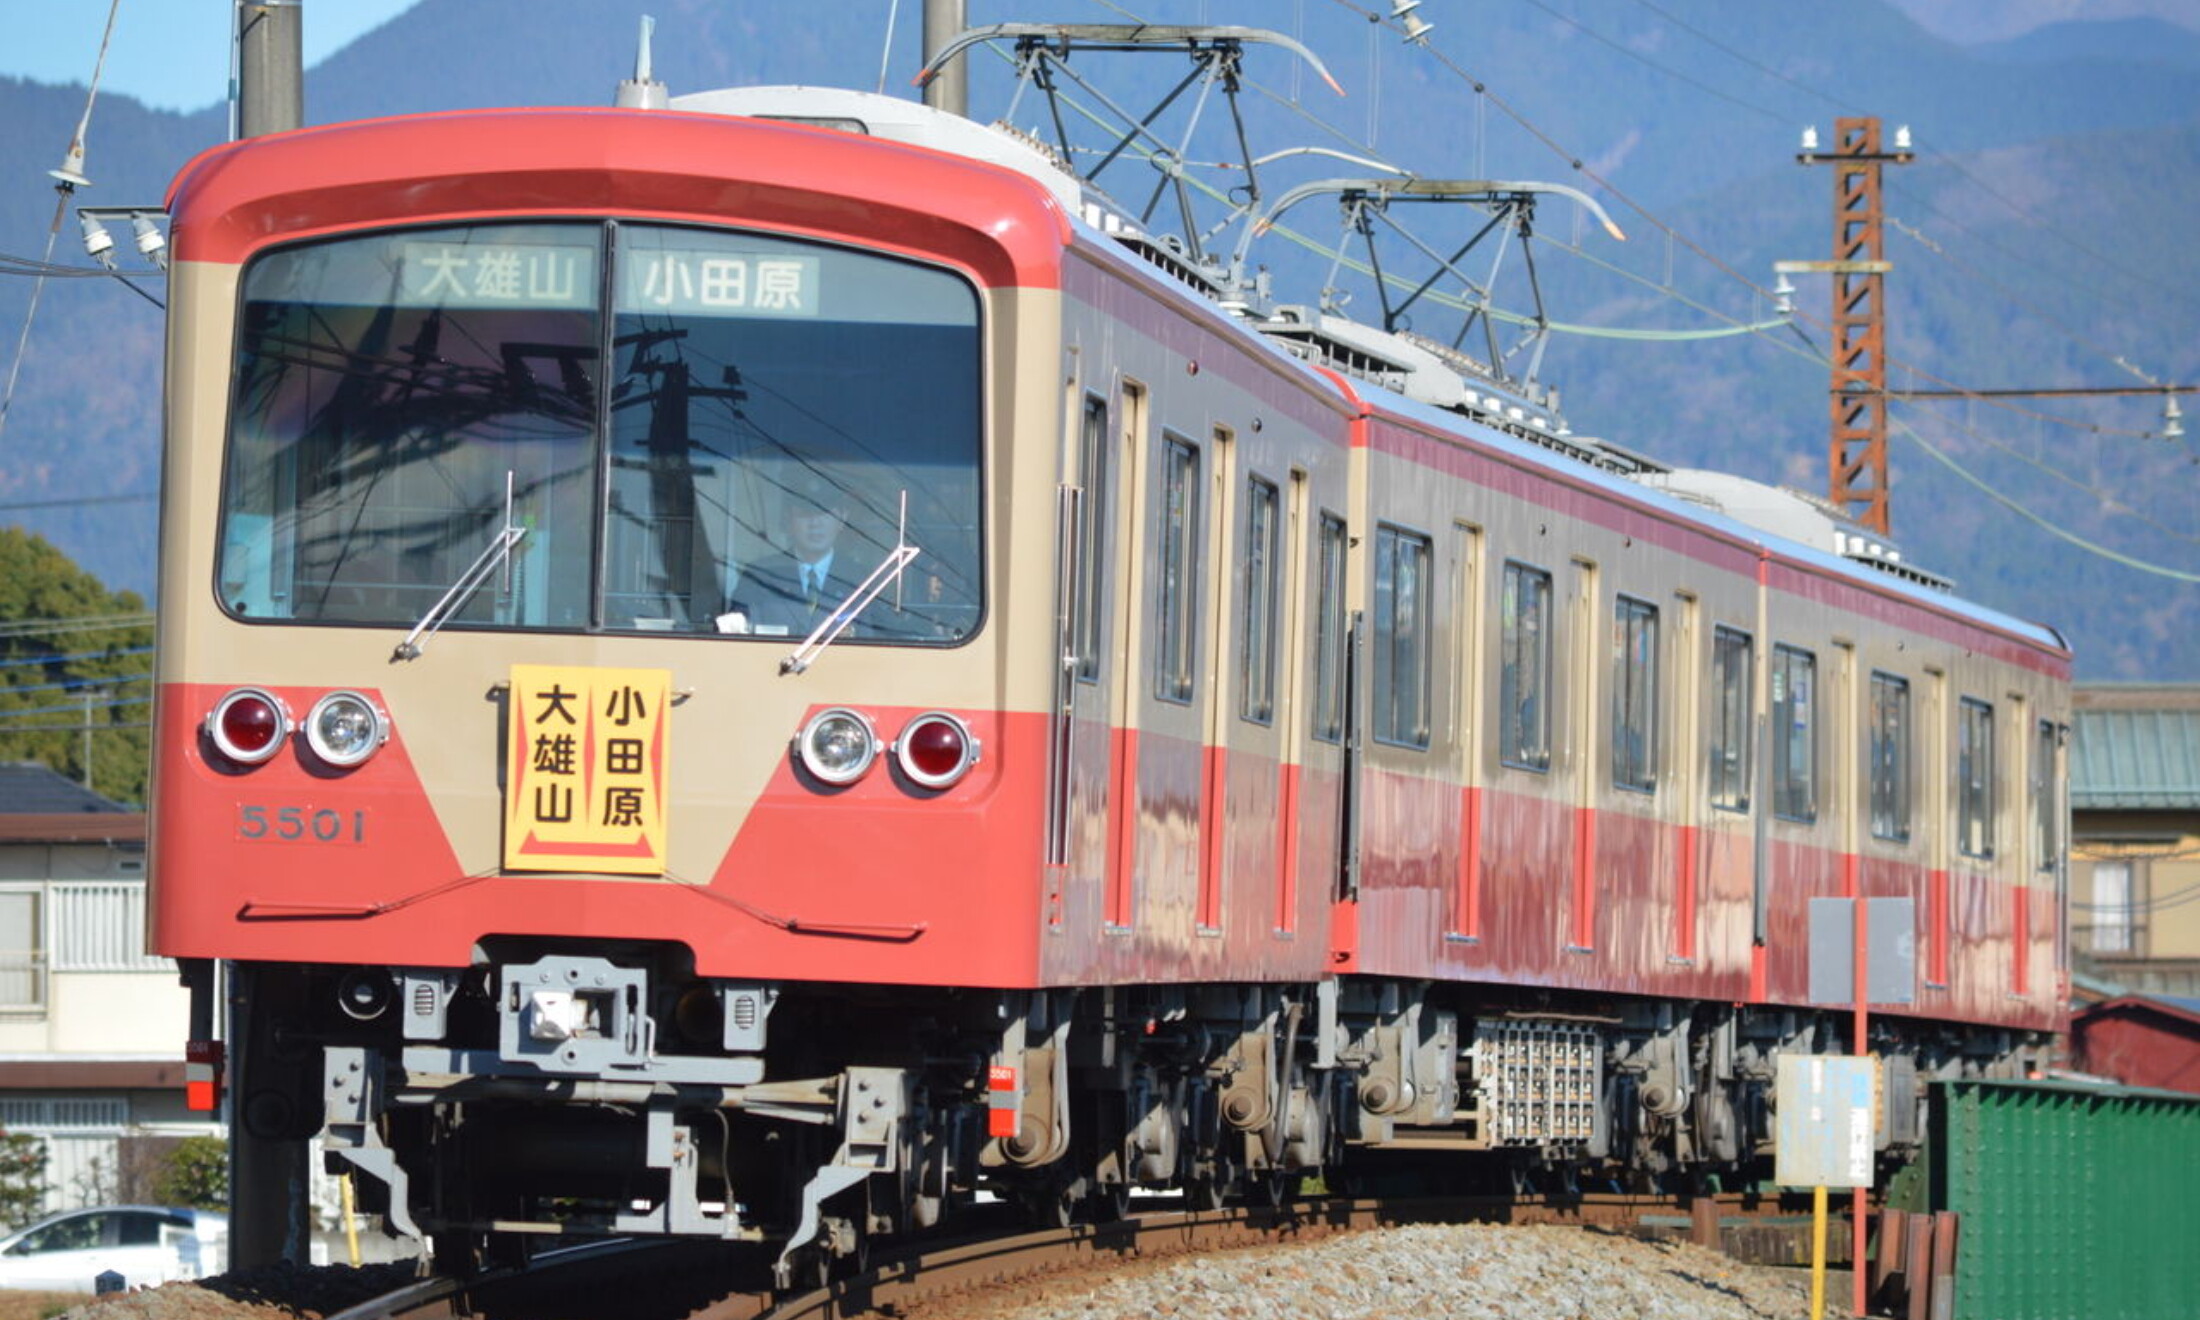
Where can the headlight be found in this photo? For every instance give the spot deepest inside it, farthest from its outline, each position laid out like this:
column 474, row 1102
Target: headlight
column 248, row 726
column 344, row 729
column 837, row 745
column 936, row 749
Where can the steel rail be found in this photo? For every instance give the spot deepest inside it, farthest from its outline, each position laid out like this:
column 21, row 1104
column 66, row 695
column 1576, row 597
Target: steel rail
column 698, row 1281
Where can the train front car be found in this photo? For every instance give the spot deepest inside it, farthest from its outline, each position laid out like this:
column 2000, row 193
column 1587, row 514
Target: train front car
column 566, row 833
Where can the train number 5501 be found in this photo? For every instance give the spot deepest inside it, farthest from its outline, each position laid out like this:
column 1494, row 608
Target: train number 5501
column 257, row 821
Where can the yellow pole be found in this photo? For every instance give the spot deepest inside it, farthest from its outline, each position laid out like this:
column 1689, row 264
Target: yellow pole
column 1817, row 1253
column 351, row 1221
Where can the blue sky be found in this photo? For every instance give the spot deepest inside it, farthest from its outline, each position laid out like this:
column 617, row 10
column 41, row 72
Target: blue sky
column 173, row 54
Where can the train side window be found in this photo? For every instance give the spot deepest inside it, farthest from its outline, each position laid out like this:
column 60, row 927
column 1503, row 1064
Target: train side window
column 1890, row 758
column 1975, row 778
column 1524, row 677
column 1401, row 640
column 1262, row 590
column 1092, row 532
column 1733, row 710
column 1176, row 598
column 1329, row 626
column 2046, row 823
column 1634, row 695
column 1795, row 734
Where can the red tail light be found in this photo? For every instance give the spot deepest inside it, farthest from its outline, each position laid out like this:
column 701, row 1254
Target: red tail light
column 936, row 749
column 248, row 726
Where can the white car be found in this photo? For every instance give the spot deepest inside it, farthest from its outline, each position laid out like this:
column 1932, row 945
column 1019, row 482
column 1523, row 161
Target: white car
column 145, row 1244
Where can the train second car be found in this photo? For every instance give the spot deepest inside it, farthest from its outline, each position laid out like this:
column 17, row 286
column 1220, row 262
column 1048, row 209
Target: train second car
column 755, row 669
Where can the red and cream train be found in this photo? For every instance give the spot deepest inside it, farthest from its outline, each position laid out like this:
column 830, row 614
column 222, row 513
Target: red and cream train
column 1211, row 760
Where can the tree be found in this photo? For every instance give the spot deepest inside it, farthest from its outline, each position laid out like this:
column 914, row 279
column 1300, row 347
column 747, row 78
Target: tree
column 22, row 1178
column 196, row 1173
column 76, row 665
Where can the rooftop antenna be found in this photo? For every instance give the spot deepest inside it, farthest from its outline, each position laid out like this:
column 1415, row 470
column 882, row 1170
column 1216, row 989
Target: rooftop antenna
column 642, row 91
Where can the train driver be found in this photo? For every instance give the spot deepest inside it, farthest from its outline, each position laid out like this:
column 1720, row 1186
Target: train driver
column 794, row 590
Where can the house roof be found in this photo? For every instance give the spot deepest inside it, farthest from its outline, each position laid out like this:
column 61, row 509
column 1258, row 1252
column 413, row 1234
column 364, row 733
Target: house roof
column 2130, row 756
column 114, row 827
column 2169, row 1006
column 28, row 788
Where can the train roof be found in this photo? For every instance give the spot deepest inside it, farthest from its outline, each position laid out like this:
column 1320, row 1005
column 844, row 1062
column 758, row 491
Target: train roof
column 1425, row 381
column 1785, row 523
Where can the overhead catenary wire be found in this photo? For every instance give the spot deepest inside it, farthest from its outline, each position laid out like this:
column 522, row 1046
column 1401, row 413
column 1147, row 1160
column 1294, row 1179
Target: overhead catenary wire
column 79, row 684
column 1732, row 326
column 1940, row 159
column 1672, row 234
column 110, row 704
column 22, row 660
column 67, row 188
column 1807, row 347
column 2104, row 497
column 83, row 623
column 10, row 264
column 1716, row 263
column 2053, row 529
column 2016, row 298
column 77, row 501
column 2148, row 906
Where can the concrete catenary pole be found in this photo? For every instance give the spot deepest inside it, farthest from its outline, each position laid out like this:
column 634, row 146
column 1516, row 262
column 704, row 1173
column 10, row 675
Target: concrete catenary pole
column 944, row 20
column 270, row 1185
column 270, row 67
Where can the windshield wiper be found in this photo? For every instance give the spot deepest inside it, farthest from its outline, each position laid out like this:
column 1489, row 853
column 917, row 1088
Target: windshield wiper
column 885, row 575
column 498, row 551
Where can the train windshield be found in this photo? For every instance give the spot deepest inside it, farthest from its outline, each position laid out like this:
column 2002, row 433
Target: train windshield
column 690, row 430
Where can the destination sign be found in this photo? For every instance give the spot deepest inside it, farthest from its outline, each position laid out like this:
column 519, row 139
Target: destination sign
column 716, row 282
column 497, row 275
column 586, row 788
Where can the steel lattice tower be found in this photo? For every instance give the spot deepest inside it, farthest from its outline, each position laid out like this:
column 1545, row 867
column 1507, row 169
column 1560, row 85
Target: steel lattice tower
column 1856, row 452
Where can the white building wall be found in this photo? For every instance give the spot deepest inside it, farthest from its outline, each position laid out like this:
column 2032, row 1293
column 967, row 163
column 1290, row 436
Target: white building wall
column 119, row 1014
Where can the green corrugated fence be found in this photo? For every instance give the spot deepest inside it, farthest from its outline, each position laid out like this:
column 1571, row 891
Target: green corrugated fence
column 2077, row 1202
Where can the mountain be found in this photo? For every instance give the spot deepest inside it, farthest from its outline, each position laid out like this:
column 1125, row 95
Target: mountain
column 2003, row 20
column 2041, row 233
column 2126, row 40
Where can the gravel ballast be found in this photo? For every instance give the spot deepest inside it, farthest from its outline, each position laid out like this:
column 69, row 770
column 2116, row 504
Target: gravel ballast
column 1455, row 1272
column 1465, row 1272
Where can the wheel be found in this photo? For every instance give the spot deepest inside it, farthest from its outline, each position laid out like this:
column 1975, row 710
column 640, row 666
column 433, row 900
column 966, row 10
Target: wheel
column 1108, row 1203
column 1270, row 1188
column 1044, row 1207
column 1210, row 1188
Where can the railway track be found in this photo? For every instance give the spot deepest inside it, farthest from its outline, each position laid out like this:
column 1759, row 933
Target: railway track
column 633, row 1280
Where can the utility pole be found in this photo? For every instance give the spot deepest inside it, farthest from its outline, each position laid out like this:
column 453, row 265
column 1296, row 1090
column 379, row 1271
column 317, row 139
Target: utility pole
column 87, row 694
column 1856, row 453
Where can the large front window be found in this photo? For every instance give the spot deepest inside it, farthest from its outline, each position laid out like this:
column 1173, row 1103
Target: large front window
column 748, row 433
